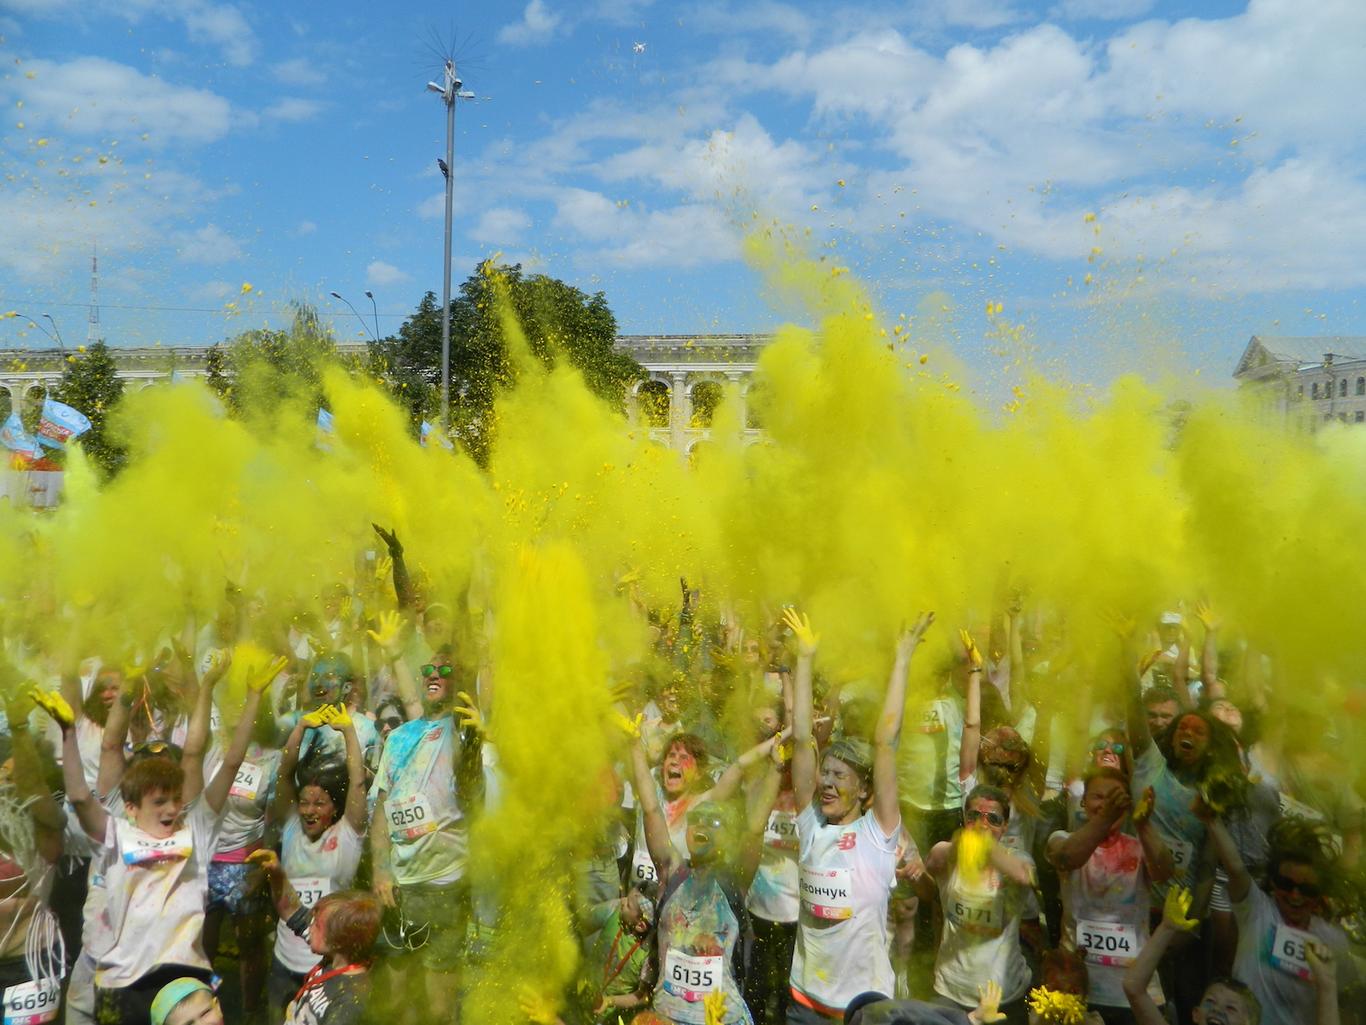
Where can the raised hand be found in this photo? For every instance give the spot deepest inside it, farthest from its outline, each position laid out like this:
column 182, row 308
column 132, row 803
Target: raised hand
column 627, row 725
column 970, row 647
column 1144, row 808
column 911, row 637
column 800, row 625
column 1323, row 967
column 988, row 1007
column 389, row 632
column 390, row 539
column 1177, row 908
column 52, row 702
column 1207, row 616
column 714, row 1007
column 314, row 719
column 259, row 677
column 337, row 716
column 468, row 714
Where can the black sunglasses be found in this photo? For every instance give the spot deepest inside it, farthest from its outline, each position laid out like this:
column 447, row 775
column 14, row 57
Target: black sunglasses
column 994, row 818
column 441, row 671
column 1280, row 882
column 1011, row 767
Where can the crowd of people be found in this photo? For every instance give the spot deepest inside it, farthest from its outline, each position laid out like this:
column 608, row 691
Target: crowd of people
column 1176, row 842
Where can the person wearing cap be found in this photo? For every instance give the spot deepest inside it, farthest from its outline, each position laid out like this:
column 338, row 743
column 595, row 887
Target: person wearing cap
column 848, row 828
column 701, row 903
column 186, row 1001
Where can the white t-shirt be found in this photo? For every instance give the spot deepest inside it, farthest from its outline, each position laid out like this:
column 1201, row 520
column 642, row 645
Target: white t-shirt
column 244, row 812
column 1105, row 916
column 927, row 766
column 845, row 878
column 1270, row 960
column 315, row 868
column 981, row 939
column 773, row 892
column 155, row 890
column 427, row 829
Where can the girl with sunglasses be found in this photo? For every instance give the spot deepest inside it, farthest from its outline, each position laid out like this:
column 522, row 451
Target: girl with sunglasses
column 1277, row 925
column 984, row 889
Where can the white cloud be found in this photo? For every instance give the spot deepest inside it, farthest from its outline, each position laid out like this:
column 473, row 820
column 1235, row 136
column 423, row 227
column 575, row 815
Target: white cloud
column 305, row 228
column 209, row 244
column 378, row 274
column 91, row 95
column 298, row 71
column 537, row 25
column 292, row 109
column 220, row 25
column 501, row 225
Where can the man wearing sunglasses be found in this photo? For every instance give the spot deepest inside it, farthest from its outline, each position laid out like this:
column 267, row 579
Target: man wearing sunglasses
column 419, row 838
column 1276, row 929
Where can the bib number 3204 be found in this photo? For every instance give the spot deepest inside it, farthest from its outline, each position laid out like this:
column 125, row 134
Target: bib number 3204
column 32, row 1003
column 1107, row 943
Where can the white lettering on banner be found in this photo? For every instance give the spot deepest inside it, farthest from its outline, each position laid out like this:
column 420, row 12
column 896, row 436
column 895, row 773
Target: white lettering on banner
column 247, row 783
column 1288, row 951
column 976, row 912
column 311, row 889
column 410, row 817
column 1182, row 851
column 827, row 892
column 642, row 867
column 781, row 831
column 691, row 977
column 32, row 1003
column 1107, row 943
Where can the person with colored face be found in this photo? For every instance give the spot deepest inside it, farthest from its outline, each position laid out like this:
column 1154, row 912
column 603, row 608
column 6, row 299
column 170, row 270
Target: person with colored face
column 419, row 832
column 849, row 831
column 1105, row 877
column 321, row 841
column 1280, row 926
column 984, row 889
column 701, row 902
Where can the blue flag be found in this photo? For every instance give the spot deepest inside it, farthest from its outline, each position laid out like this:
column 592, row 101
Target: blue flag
column 60, row 423
column 16, row 439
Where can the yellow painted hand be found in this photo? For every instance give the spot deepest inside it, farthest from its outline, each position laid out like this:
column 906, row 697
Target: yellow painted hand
column 345, row 609
column 988, row 1004
column 800, row 625
column 538, row 1007
column 336, row 716
column 970, row 648
column 390, row 629
column 627, row 725
column 259, row 677
column 1176, row 909
column 1207, row 616
column 714, row 1007
column 383, row 567
column 1144, row 807
column 51, row 702
column 468, row 714
column 312, row 720
column 266, row 859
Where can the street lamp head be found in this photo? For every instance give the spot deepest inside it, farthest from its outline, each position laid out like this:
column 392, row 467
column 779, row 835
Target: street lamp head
column 435, row 88
column 369, row 294
column 336, row 295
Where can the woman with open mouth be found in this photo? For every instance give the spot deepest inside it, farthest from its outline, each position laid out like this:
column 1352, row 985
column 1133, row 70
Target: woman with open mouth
column 701, row 905
column 848, row 828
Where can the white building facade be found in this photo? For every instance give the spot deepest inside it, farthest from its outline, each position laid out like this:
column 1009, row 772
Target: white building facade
column 1306, row 383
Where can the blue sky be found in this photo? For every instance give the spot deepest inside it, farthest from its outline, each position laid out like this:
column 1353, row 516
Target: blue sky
column 949, row 150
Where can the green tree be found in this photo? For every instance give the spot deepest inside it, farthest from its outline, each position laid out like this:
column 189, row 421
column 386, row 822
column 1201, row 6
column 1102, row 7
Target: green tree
column 256, row 371
column 559, row 321
column 90, row 383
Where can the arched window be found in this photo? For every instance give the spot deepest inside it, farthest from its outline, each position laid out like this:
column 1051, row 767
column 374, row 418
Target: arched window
column 1314, row 390
column 1342, row 388
column 706, row 396
column 652, row 398
column 1361, row 385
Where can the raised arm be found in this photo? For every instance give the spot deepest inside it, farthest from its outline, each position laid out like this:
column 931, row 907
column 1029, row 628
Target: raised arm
column 91, row 814
column 758, row 807
column 729, row 781
column 804, row 744
column 285, row 791
column 258, row 678
column 1209, row 652
column 340, row 719
column 112, row 760
column 1156, row 854
column 388, row 638
column 1140, row 972
column 657, row 839
column 1323, row 972
column 887, row 736
column 1137, row 726
column 197, row 733
column 1239, row 879
column 30, row 785
column 1076, row 849
column 403, row 588
column 972, row 709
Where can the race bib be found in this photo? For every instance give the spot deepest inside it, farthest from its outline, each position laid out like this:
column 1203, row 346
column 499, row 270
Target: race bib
column 1182, row 853
column 145, row 850
column 931, row 721
column 32, row 1003
column 781, row 831
column 976, row 912
column 311, row 889
column 410, row 817
column 827, row 892
column 1107, row 943
column 1288, row 951
column 690, row 977
column 642, row 867
column 247, row 783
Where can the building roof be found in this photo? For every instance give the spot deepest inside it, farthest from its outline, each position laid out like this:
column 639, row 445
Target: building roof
column 1291, row 352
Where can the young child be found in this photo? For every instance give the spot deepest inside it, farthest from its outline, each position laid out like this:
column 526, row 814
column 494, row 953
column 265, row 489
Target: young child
column 186, row 1001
